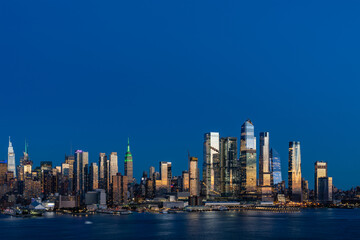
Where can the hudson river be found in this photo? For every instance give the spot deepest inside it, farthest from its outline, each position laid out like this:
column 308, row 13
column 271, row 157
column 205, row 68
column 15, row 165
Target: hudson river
column 308, row 224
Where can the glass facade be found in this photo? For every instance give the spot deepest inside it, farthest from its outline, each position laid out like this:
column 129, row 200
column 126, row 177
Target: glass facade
column 247, row 159
column 230, row 180
column 275, row 167
column 294, row 177
column 211, row 167
column 320, row 172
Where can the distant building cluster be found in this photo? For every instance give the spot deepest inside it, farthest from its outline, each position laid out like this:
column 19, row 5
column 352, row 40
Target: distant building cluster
column 229, row 173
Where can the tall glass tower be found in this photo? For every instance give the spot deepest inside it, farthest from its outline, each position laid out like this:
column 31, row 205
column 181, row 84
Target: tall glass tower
column 264, row 168
column 229, row 166
column 294, row 177
column 211, row 167
column 11, row 159
column 275, row 167
column 129, row 164
column 247, row 159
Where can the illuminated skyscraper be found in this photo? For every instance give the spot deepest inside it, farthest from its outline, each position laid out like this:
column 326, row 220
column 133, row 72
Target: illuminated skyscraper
column 94, row 177
column 81, row 172
column 264, row 167
column 276, row 177
column 119, row 192
column 114, row 169
column 185, row 181
column 294, row 177
column 211, row 167
column 247, row 159
column 165, row 177
column 11, row 159
column 128, row 164
column 230, row 179
column 151, row 172
column 320, row 172
column 194, row 177
column 325, row 189
column 102, row 170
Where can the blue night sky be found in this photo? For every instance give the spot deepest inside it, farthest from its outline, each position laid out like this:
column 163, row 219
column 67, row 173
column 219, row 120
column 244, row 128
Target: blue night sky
column 88, row 74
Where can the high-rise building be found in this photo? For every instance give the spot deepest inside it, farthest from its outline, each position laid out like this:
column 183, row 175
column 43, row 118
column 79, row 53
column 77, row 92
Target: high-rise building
column 230, row 175
column 185, row 181
column 211, row 167
column 114, row 169
column 45, row 166
column 128, row 164
column 81, row 172
column 163, row 184
column 248, row 159
column 264, row 168
column 119, row 189
column 276, row 177
column 325, row 189
column 320, row 172
column 294, row 173
column 94, row 177
column 194, row 177
column 70, row 160
column 151, row 172
column 102, row 170
column 11, row 159
column 3, row 171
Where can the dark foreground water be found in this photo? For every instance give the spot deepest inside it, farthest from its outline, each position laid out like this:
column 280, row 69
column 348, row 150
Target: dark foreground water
column 308, row 224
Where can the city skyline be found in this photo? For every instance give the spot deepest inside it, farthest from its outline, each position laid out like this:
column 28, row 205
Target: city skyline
column 129, row 73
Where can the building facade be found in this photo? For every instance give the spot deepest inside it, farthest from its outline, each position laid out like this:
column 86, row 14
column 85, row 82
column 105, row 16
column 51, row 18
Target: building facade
column 294, row 172
column 128, row 164
column 211, row 167
column 11, row 159
column 248, row 159
column 320, row 172
column 230, row 175
column 264, row 168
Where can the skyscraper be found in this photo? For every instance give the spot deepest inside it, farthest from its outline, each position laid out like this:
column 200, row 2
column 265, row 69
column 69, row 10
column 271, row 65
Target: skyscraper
column 276, row 177
column 294, row 177
column 325, row 189
column 128, row 164
column 248, row 159
column 102, row 170
column 165, row 177
column 11, row 159
column 230, row 179
column 81, row 172
column 151, row 172
column 320, row 172
column 211, row 168
column 185, row 181
column 264, row 167
column 114, row 169
column 194, row 177
column 119, row 191
column 94, row 177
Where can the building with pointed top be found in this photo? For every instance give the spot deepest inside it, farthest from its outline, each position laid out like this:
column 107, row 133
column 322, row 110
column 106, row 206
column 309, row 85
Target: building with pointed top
column 128, row 164
column 11, row 159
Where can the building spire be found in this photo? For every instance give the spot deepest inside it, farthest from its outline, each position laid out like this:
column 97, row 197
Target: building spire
column 26, row 151
column 128, row 148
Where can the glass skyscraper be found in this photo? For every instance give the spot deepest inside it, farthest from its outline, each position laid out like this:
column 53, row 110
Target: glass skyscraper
column 320, row 172
column 294, row 177
column 211, row 167
column 276, row 176
column 264, row 168
column 230, row 180
column 247, row 159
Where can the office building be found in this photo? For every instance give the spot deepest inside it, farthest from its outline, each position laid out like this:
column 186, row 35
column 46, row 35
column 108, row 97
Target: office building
column 229, row 164
column 11, row 159
column 275, row 162
column 128, row 164
column 119, row 189
column 325, row 189
column 294, row 172
column 94, row 176
column 81, row 172
column 194, row 185
column 264, row 168
column 211, row 167
column 102, row 170
column 185, row 185
column 247, row 160
column 320, row 172
column 114, row 169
